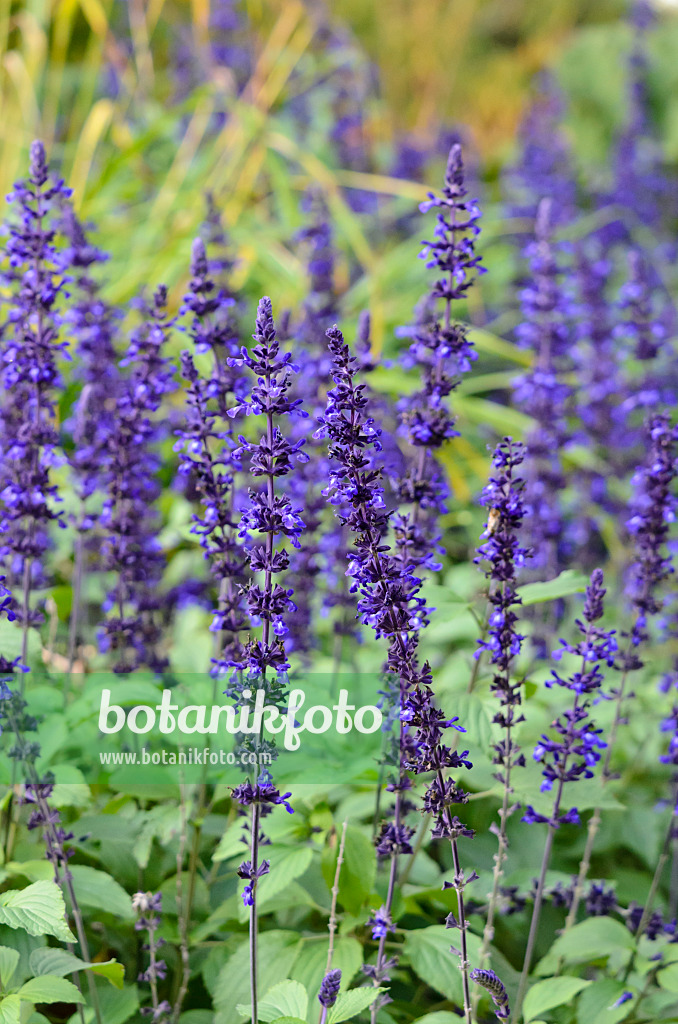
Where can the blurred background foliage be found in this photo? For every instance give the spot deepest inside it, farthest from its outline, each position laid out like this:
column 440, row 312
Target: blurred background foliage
column 147, row 105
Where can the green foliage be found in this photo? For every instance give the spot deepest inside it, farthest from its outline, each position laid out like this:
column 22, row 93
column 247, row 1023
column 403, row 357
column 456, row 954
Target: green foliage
column 39, row 909
column 546, row 995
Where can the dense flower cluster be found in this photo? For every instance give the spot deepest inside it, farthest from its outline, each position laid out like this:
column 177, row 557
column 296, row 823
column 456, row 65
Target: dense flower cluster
column 329, row 990
column 489, row 981
column 388, row 601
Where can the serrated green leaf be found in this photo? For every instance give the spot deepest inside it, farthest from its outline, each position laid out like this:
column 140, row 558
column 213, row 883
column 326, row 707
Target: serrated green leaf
column 277, row 953
column 50, row 989
column 59, row 962
column 94, row 888
column 9, row 960
column 39, row 908
column 350, row 1003
column 286, row 999
column 428, row 951
column 545, row 995
column 309, row 968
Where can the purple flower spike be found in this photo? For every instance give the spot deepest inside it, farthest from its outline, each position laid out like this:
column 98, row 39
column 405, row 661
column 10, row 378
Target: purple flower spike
column 30, row 347
column 442, row 352
column 574, row 751
column 130, row 548
column 544, row 394
column 329, row 990
column 653, row 509
column 269, row 513
column 491, row 983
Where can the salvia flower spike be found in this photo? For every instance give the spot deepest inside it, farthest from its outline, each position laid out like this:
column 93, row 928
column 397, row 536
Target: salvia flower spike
column 505, row 555
column 575, row 749
column 30, row 349
column 271, row 514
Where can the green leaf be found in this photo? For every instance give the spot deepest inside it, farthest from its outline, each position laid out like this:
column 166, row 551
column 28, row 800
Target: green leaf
column 287, row 864
column 160, row 823
column 358, row 870
column 350, row 1003
column 10, row 1008
column 230, row 845
column 598, row 937
column 50, row 989
column 552, row 992
column 118, row 1005
column 428, row 951
column 95, row 888
column 277, row 952
column 39, row 909
column 289, row 1020
column 438, row 1017
column 287, row 999
column 59, row 962
column 597, row 1002
column 567, row 583
column 9, row 960
column 668, row 978
column 309, row 968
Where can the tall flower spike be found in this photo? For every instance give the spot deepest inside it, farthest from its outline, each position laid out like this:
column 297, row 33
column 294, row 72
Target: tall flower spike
column 207, row 449
column 30, row 348
column 130, row 548
column 441, row 351
column 543, row 394
column 652, row 511
column 640, row 185
column 431, row 754
column 316, row 560
column 544, row 165
column 94, row 325
column 148, row 907
column 574, row 751
column 387, row 594
column 270, row 513
column 503, row 497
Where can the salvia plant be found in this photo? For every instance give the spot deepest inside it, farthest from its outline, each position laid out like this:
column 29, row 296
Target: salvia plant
column 235, row 531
